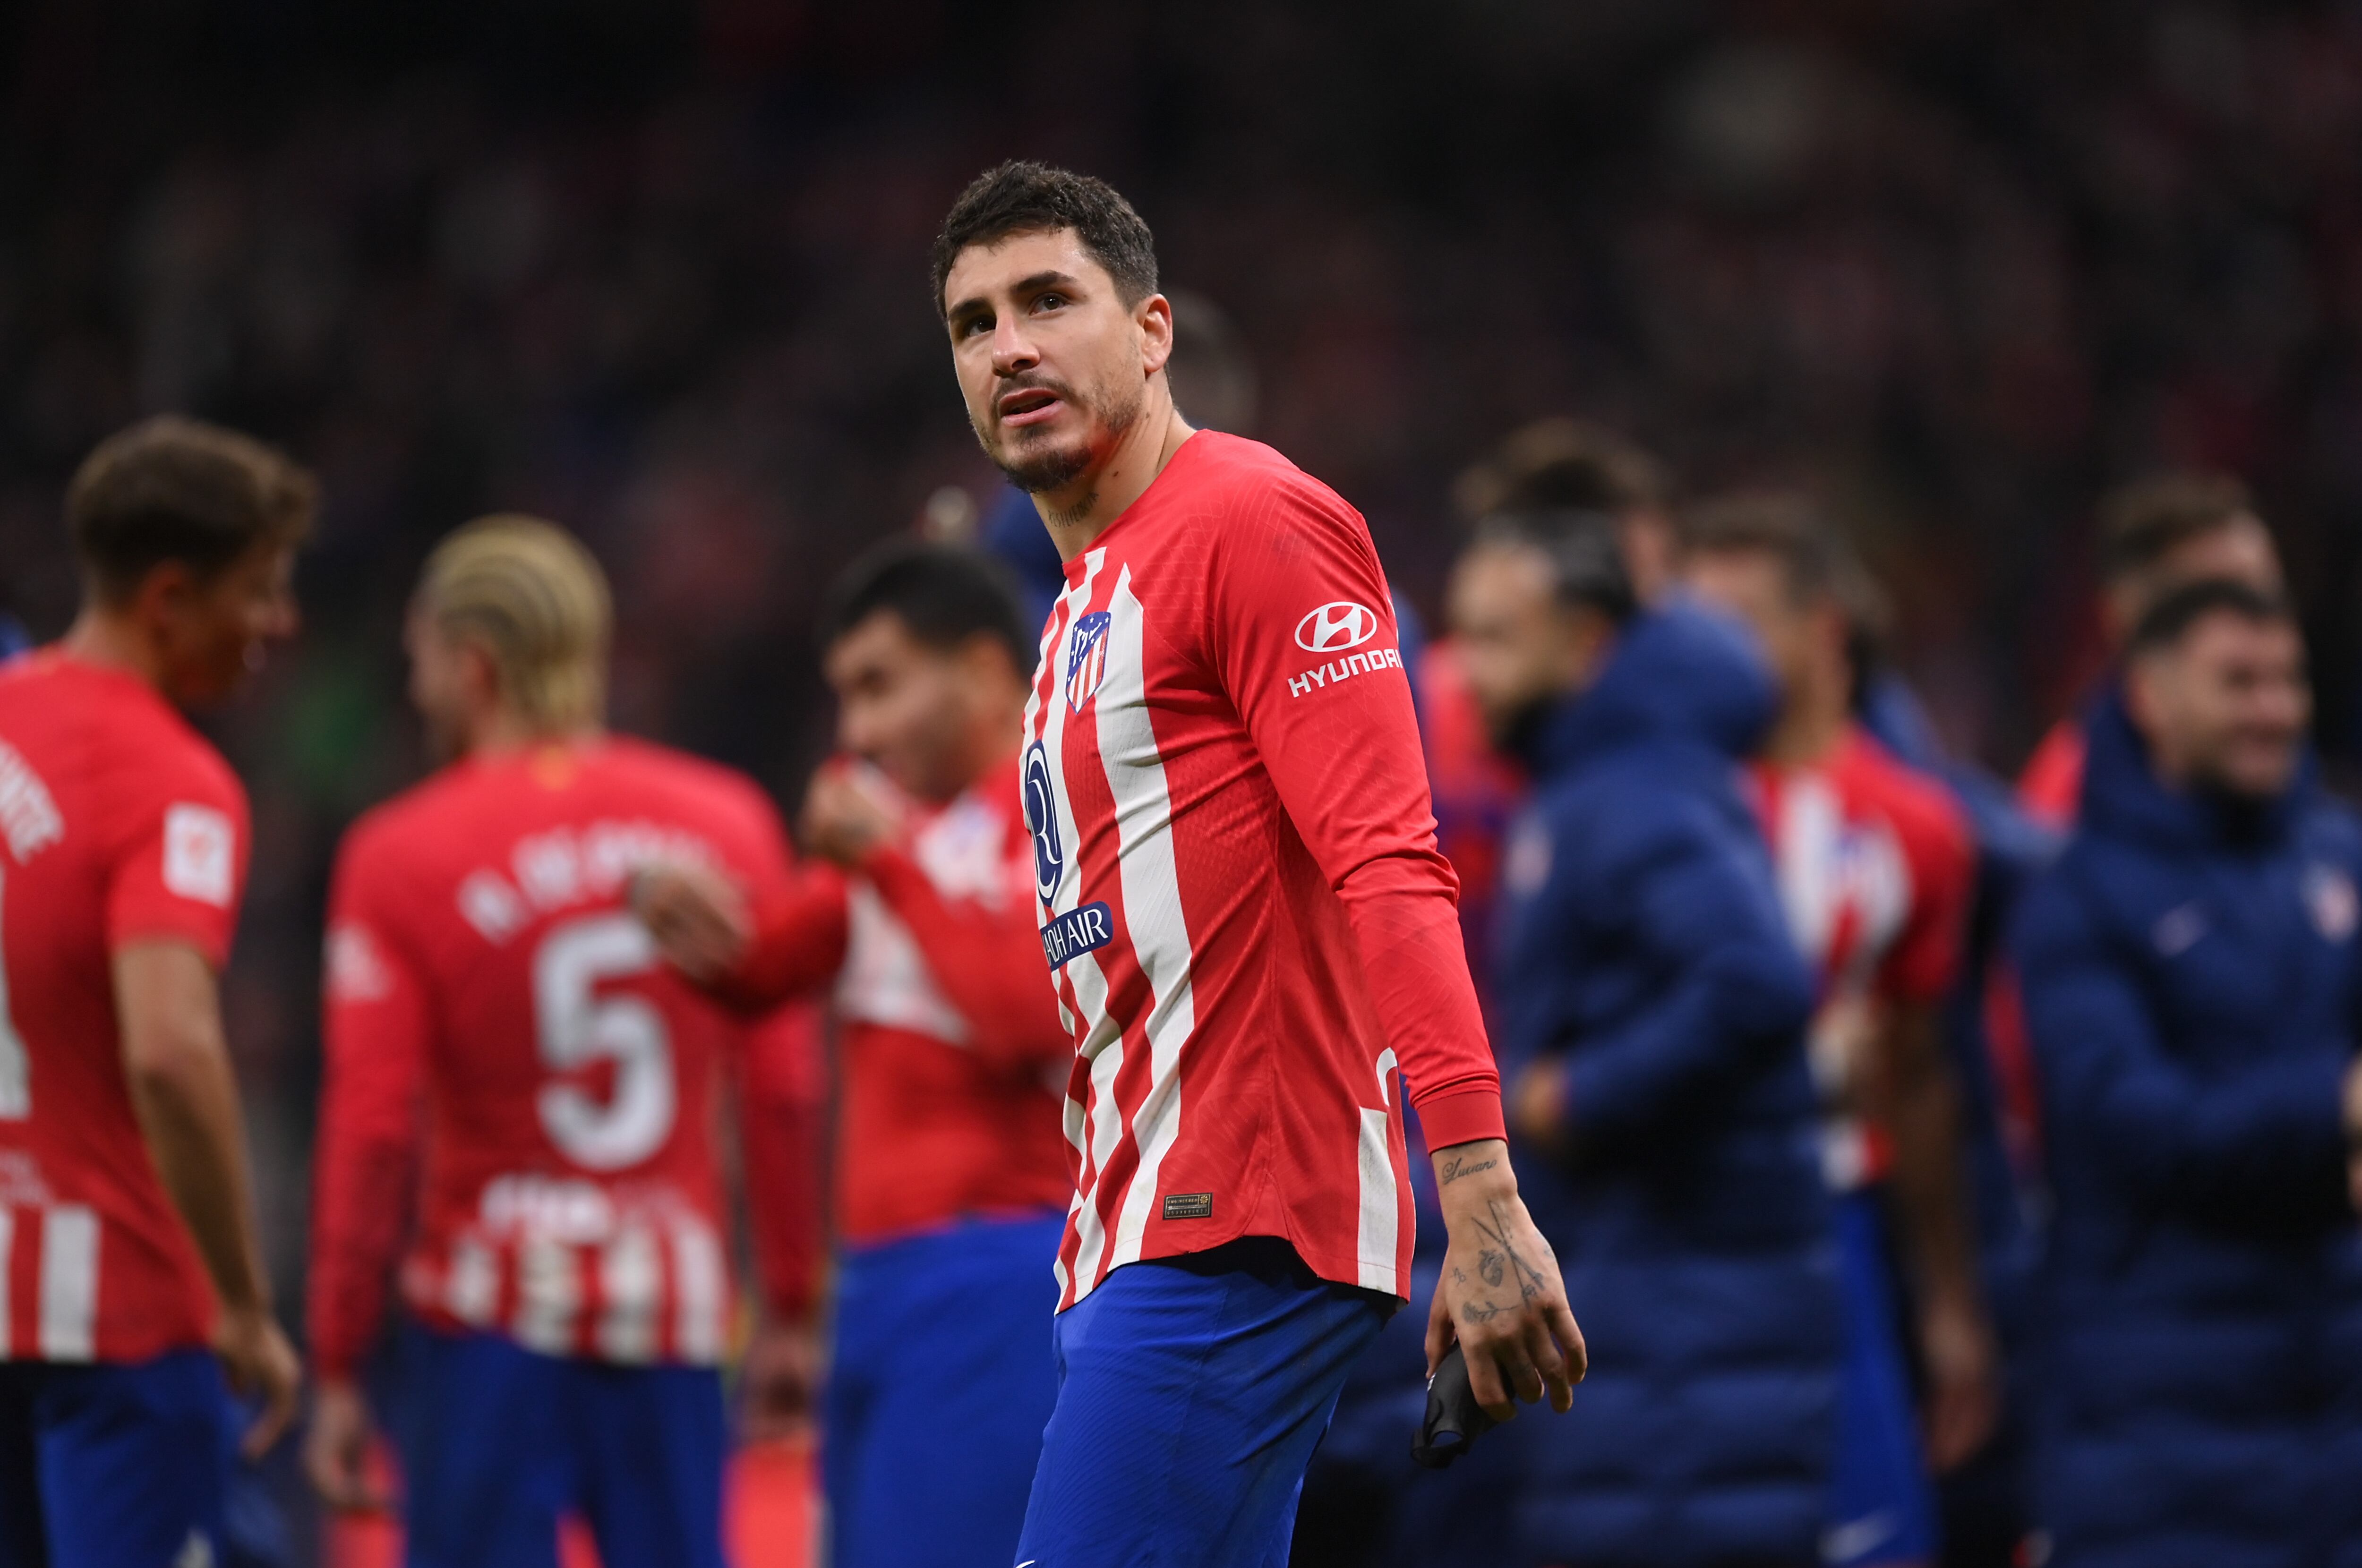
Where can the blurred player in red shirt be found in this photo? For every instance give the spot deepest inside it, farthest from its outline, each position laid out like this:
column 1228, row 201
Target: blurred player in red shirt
column 130, row 1276
column 506, row 1050
column 952, row 1182
column 1876, row 872
column 2156, row 535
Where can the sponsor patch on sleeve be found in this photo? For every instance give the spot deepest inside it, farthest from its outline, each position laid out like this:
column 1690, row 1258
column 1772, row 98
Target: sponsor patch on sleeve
column 199, row 855
column 1080, row 930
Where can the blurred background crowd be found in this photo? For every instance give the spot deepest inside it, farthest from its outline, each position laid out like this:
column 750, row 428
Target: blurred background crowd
column 656, row 271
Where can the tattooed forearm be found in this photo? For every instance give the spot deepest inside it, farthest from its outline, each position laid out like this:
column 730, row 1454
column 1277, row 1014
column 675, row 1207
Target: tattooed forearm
column 1458, row 1165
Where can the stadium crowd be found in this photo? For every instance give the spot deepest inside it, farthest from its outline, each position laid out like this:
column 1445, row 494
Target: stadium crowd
column 1992, row 1143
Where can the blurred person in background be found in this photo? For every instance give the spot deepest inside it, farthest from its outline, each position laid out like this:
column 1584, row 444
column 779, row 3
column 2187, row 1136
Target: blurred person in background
column 2155, row 534
column 131, row 1276
column 503, row 1043
column 1652, row 1010
column 1876, row 875
column 2193, row 983
column 952, row 1181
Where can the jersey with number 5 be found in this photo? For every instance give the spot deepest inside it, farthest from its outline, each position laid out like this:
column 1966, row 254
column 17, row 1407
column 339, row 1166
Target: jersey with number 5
column 121, row 825
column 493, row 1006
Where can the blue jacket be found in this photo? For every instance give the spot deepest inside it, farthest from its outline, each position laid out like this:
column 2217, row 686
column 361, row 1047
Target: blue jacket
column 1644, row 942
column 2191, row 988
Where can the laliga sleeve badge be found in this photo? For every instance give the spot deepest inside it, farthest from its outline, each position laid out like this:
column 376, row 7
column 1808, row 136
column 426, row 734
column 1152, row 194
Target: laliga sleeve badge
column 1454, row 1420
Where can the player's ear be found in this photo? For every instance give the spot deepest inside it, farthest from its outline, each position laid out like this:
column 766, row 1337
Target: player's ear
column 1153, row 316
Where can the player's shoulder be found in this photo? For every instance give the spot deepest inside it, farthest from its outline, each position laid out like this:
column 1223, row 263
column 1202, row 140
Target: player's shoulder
column 1240, row 481
column 140, row 746
column 1919, row 807
column 698, row 783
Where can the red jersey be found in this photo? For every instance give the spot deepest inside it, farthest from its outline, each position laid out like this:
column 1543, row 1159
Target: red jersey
column 1876, row 871
column 1243, row 910
column 2051, row 787
column 122, row 826
column 491, row 1001
column 951, row 1054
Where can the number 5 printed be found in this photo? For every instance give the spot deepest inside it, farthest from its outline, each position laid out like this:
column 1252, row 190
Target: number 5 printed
column 577, row 1026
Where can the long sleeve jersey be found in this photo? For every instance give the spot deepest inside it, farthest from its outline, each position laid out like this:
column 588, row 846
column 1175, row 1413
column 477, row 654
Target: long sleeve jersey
column 1245, row 914
column 951, row 1055
column 521, row 1101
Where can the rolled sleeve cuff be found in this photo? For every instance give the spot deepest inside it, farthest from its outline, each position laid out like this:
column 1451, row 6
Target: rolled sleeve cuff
column 1465, row 1116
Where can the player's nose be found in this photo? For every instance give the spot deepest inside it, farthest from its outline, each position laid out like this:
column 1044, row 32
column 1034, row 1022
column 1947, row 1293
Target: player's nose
column 1013, row 351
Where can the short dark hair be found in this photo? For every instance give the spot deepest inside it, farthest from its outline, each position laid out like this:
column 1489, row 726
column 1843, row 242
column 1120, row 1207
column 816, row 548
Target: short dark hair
column 171, row 488
column 944, row 593
column 2141, row 521
column 1587, row 558
column 1784, row 525
column 1562, row 465
column 1021, row 198
column 2171, row 618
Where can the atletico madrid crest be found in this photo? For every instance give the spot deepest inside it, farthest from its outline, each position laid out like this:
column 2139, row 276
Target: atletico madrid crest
column 1087, row 654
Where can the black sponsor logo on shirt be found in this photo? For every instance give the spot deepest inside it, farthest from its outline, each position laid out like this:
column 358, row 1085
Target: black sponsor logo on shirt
column 1190, row 1205
column 1084, row 930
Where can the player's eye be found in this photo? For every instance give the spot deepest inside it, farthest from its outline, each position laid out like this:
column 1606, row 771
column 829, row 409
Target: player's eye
column 974, row 325
column 1049, row 302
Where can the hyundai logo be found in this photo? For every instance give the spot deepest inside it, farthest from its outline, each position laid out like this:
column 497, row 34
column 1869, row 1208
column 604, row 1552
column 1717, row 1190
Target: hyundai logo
column 1339, row 625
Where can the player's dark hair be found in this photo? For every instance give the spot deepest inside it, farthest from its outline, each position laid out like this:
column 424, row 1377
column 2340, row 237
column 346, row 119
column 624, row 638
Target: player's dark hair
column 2171, row 618
column 945, row 594
column 1021, row 198
column 1587, row 558
column 1815, row 562
column 171, row 488
column 2141, row 521
column 1564, row 465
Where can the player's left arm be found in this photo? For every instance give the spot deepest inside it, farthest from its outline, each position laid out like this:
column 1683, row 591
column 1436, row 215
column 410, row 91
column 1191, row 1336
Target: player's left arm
column 782, row 1097
column 1344, row 755
column 1914, row 1093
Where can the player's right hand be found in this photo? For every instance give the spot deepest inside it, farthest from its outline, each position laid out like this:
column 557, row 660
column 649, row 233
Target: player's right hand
column 698, row 916
column 335, row 1450
column 781, row 1379
column 260, row 1365
column 1500, row 1297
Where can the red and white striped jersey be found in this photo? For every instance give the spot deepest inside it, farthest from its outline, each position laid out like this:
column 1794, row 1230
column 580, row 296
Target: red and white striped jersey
column 1245, row 914
column 490, row 1000
column 121, row 825
column 1876, row 871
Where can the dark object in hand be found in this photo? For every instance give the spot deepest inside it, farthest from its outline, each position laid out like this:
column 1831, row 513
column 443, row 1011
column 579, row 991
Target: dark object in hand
column 1454, row 1420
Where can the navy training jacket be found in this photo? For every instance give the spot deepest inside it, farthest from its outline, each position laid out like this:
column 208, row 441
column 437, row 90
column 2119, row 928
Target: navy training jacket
column 2190, row 973
column 1644, row 942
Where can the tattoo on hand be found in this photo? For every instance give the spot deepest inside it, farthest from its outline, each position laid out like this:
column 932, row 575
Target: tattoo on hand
column 1489, row 1263
column 1458, row 1165
column 1481, row 1312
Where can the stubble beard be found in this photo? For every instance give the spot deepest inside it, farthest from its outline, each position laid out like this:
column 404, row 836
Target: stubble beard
column 1053, row 468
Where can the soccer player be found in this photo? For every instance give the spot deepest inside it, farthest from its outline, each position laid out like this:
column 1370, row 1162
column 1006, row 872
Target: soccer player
column 952, row 1182
column 1244, row 916
column 490, row 1000
column 130, row 1277
column 1875, row 873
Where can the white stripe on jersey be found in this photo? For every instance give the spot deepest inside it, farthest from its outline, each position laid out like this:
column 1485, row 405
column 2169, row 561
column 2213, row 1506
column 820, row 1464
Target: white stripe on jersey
column 886, row 980
column 550, row 1295
column 7, row 1246
column 631, row 1277
column 698, row 1277
column 1381, row 1231
column 1152, row 900
column 471, row 1284
column 1806, row 852
column 69, row 1282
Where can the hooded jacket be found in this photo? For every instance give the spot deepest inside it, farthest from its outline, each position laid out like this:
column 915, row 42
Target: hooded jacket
column 1643, row 942
column 2189, row 974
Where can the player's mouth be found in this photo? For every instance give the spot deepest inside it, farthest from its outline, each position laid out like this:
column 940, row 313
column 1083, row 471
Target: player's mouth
column 1027, row 406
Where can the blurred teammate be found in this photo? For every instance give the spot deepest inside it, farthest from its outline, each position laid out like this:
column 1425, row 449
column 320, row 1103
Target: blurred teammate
column 2191, row 970
column 1652, row 1010
column 2156, row 535
column 951, row 1180
column 130, row 1276
column 1875, row 874
column 492, row 1002
column 1243, row 914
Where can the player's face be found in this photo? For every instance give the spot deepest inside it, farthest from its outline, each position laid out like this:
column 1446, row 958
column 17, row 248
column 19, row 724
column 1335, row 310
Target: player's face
column 902, row 704
column 443, row 677
column 1053, row 363
column 2226, row 708
column 215, row 631
column 1518, row 645
column 1752, row 585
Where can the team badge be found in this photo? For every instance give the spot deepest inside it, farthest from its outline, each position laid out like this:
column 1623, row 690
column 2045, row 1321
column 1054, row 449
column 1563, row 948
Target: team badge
column 2329, row 893
column 1086, row 656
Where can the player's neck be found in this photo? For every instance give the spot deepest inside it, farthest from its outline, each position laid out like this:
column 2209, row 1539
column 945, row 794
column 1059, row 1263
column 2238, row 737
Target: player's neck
column 1080, row 512
column 499, row 734
column 1809, row 731
column 111, row 641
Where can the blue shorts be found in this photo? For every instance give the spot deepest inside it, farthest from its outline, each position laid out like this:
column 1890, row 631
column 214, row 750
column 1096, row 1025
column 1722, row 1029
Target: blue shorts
column 1881, row 1503
column 103, row 1464
column 1191, row 1393
column 498, row 1442
column 938, row 1388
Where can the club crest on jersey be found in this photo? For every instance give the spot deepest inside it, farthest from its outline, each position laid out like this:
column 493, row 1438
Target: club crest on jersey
column 1086, row 656
column 1041, row 821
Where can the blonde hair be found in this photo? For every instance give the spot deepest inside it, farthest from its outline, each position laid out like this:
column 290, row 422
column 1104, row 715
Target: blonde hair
column 532, row 598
